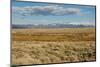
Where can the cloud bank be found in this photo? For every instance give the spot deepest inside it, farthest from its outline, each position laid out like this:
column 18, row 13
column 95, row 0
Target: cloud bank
column 55, row 10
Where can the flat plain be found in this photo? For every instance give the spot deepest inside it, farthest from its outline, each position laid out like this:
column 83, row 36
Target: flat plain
column 54, row 45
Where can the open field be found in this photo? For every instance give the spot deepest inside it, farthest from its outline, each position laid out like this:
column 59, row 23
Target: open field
column 42, row 46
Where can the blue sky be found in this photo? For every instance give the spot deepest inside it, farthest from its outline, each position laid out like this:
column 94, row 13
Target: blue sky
column 46, row 13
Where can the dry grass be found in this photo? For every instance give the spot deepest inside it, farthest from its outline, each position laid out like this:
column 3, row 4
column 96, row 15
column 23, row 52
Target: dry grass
column 42, row 46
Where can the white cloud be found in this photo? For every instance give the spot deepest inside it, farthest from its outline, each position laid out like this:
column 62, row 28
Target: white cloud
column 46, row 10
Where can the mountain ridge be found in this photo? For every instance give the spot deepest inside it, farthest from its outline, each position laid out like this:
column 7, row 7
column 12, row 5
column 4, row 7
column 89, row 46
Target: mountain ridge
column 51, row 26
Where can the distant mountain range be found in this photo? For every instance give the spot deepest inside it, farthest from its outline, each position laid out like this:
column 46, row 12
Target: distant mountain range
column 17, row 26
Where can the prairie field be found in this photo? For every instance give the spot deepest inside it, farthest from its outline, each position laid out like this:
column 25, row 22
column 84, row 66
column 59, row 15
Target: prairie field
column 44, row 46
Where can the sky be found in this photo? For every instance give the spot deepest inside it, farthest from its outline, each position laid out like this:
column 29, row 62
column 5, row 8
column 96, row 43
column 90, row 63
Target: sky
column 50, row 13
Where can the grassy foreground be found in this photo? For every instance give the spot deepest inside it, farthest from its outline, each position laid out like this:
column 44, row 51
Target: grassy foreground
column 42, row 46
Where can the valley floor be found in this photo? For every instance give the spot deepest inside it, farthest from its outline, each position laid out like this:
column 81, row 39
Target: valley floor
column 43, row 46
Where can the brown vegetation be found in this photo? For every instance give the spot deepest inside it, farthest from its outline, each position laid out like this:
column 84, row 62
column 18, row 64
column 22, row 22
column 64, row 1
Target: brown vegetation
column 42, row 46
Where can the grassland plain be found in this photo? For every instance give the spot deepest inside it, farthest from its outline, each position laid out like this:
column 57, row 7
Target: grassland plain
column 43, row 46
